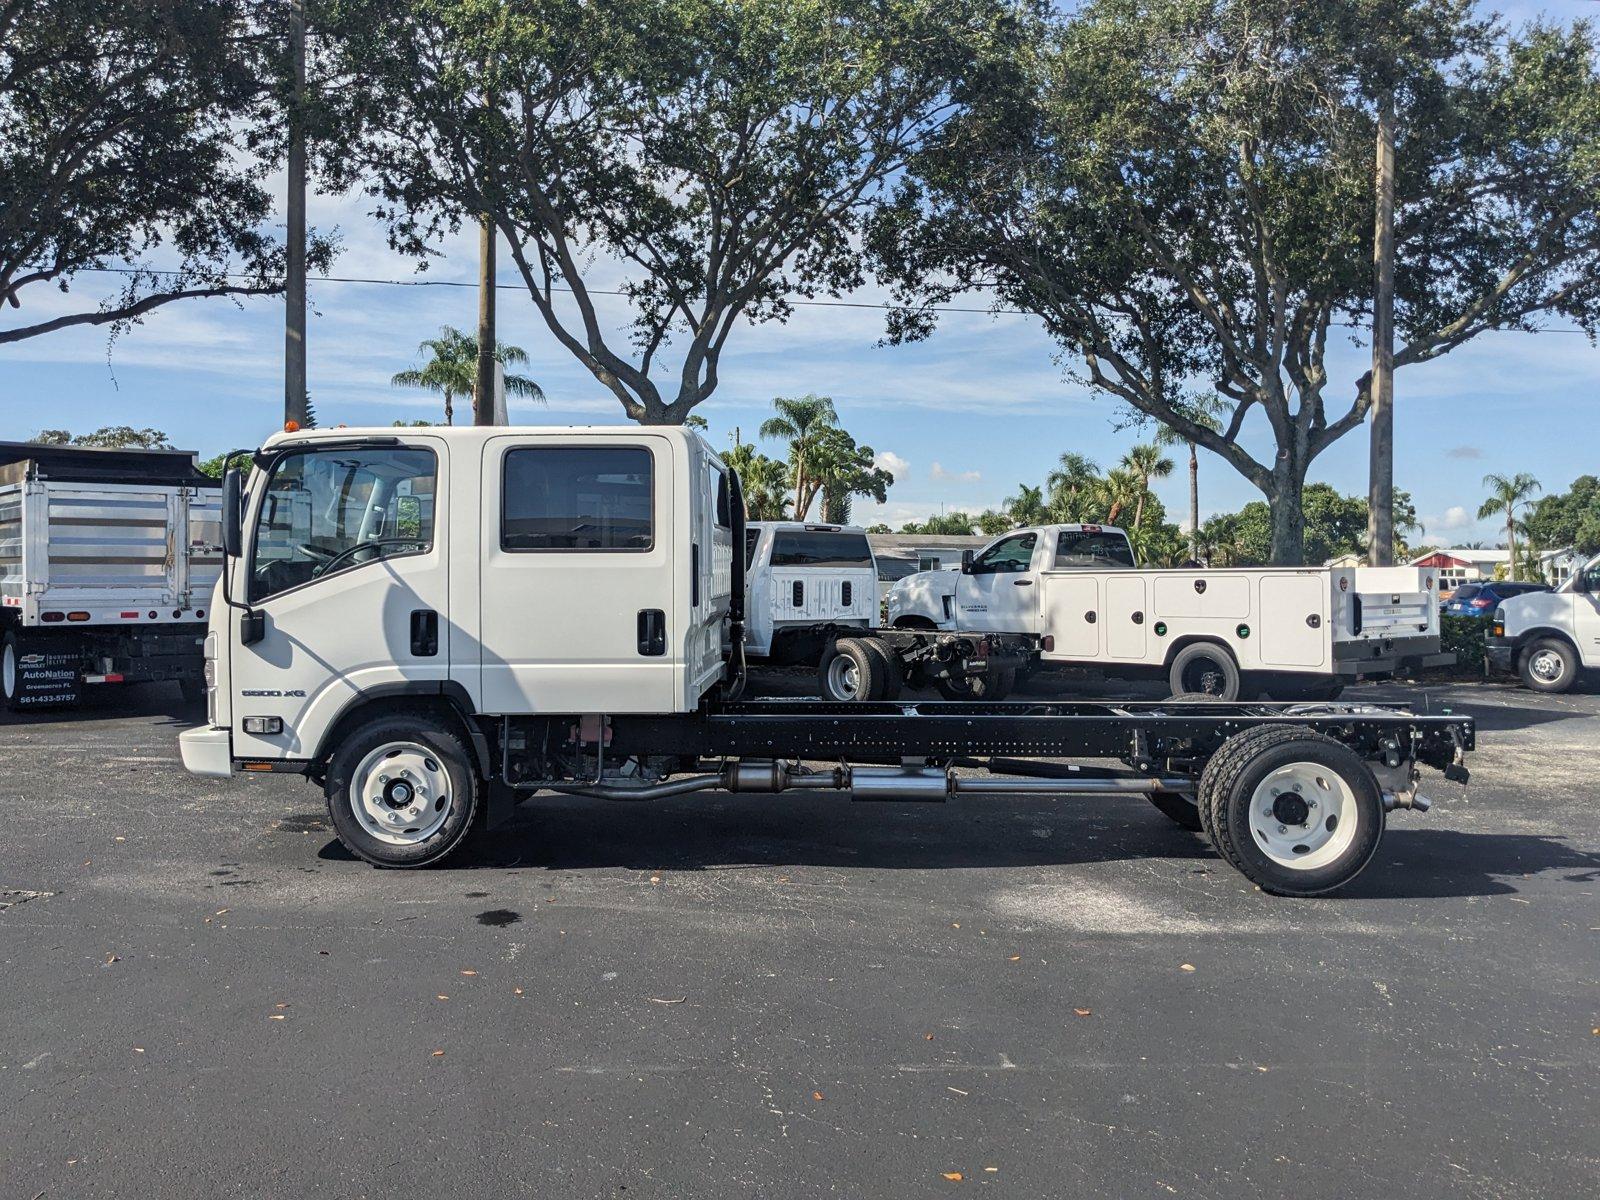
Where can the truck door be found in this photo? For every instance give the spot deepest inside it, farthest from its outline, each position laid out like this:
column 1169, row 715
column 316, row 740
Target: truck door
column 578, row 565
column 347, row 569
column 1000, row 594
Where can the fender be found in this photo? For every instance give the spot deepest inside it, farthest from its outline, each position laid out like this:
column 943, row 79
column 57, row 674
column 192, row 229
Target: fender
column 453, row 693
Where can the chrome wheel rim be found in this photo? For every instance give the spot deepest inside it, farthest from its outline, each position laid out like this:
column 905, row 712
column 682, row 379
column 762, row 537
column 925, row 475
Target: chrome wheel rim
column 1303, row 816
column 844, row 678
column 1545, row 665
column 400, row 793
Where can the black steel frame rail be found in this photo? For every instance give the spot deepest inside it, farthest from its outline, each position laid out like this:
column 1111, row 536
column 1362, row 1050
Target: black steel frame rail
column 887, row 730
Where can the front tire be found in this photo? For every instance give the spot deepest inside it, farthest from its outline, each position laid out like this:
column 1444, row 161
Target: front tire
column 10, row 673
column 1548, row 665
column 402, row 791
column 1297, row 813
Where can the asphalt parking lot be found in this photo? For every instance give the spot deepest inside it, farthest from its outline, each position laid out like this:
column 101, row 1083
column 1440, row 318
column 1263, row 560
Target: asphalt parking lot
column 201, row 994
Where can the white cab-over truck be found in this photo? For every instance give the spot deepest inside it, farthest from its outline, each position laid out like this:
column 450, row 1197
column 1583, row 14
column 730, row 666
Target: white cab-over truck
column 1550, row 639
column 433, row 624
column 1296, row 632
column 806, row 584
column 107, row 563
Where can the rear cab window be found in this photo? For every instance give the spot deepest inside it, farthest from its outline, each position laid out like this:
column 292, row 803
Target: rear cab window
column 820, row 548
column 587, row 498
column 1080, row 548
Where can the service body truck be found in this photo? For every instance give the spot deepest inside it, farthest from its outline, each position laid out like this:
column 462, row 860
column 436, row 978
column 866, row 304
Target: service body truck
column 1295, row 632
column 806, row 584
column 433, row 624
column 1550, row 639
column 108, row 558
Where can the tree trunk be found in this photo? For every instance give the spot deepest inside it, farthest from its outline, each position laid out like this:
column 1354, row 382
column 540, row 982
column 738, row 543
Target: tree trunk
column 1288, row 520
column 1194, row 502
column 296, row 407
column 1380, row 484
column 483, row 390
column 1511, row 542
column 1138, row 507
column 449, row 409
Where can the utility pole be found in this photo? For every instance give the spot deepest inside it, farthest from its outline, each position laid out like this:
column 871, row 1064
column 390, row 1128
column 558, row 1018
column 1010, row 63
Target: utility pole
column 483, row 393
column 295, row 407
column 1380, row 487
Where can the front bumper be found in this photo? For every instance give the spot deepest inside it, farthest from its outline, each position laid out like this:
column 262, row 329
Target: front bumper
column 207, row 751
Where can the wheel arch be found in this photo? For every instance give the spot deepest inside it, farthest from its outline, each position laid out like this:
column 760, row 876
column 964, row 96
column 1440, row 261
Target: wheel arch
column 449, row 701
column 1180, row 644
column 1547, row 631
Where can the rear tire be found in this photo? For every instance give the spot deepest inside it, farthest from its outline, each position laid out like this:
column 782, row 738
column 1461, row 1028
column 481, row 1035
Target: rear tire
column 402, row 791
column 850, row 672
column 1548, row 665
column 889, row 667
column 1297, row 813
column 1204, row 669
column 10, row 672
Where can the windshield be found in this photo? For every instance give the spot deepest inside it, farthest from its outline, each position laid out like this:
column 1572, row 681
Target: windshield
column 820, row 548
column 1080, row 548
column 327, row 511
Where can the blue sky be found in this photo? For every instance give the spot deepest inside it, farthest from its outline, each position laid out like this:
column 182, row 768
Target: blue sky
column 960, row 419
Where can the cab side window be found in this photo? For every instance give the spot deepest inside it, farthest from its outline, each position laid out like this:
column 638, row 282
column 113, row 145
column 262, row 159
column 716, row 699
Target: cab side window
column 594, row 498
column 1009, row 556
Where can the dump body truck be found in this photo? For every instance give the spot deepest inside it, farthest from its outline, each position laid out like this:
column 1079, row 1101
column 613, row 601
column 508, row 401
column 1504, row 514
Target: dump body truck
column 108, row 559
column 432, row 625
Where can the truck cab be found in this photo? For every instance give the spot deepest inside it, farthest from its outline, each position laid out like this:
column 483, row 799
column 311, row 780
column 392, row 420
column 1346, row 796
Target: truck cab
column 806, row 583
column 1550, row 638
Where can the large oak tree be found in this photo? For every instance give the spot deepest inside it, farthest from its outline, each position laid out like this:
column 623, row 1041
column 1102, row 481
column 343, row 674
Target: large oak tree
column 1182, row 191
column 709, row 160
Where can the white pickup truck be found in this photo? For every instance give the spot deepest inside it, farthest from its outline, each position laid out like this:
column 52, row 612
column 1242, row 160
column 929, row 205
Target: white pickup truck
column 805, row 585
column 1550, row 638
column 1300, row 633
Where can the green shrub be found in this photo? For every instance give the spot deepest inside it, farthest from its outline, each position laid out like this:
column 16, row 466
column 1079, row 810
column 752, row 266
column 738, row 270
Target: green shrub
column 1463, row 637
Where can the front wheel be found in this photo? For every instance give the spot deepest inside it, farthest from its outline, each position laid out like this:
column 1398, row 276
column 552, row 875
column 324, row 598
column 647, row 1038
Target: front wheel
column 1296, row 812
column 10, row 673
column 402, row 791
column 1548, row 665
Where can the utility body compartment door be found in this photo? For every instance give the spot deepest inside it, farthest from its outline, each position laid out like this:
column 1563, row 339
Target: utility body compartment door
column 1294, row 623
column 578, row 562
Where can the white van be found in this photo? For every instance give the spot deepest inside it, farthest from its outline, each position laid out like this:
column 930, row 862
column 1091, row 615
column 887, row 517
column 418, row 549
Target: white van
column 805, row 584
column 1550, row 638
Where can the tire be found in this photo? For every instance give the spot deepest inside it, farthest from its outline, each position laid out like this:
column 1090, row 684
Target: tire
column 850, row 672
column 991, row 685
column 194, row 690
column 889, row 665
column 10, row 672
column 1183, row 811
column 366, row 786
column 1268, row 797
column 1204, row 669
column 1548, row 665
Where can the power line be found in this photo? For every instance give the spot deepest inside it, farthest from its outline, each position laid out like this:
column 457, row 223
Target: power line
column 517, row 287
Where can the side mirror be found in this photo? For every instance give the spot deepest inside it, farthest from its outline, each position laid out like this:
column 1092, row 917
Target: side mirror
column 966, row 562
column 1582, row 583
column 232, row 514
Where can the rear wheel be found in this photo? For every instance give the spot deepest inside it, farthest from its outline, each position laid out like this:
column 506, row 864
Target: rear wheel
column 10, row 672
column 1548, row 665
column 402, row 791
column 850, row 671
column 1297, row 813
column 889, row 669
column 1204, row 669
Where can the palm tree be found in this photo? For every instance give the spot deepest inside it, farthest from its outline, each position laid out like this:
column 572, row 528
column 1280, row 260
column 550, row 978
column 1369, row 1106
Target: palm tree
column 1117, row 490
column 1204, row 411
column 452, row 369
column 1026, row 507
column 763, row 481
column 800, row 422
column 1505, row 495
column 1074, row 486
column 1145, row 463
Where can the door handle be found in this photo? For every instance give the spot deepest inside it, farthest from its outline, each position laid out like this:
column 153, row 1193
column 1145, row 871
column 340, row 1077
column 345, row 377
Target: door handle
column 1022, row 583
column 424, row 632
column 652, row 632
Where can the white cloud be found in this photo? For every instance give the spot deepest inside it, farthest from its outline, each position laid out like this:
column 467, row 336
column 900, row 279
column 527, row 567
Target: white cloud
column 1454, row 519
column 940, row 472
column 1463, row 452
column 891, row 462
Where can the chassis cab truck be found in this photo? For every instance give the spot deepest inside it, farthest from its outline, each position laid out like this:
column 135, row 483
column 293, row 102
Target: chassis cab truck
column 805, row 585
column 107, row 562
column 432, row 624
